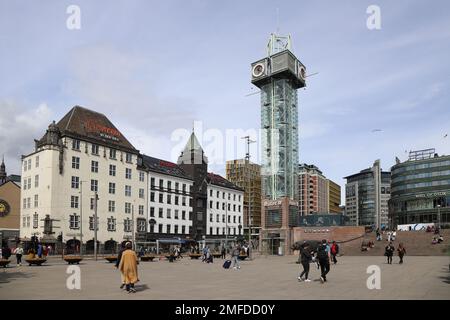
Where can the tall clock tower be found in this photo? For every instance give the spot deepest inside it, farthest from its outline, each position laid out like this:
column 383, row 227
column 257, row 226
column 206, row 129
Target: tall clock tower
column 279, row 75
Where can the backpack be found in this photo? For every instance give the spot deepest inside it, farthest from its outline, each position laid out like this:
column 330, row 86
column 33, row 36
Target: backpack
column 321, row 253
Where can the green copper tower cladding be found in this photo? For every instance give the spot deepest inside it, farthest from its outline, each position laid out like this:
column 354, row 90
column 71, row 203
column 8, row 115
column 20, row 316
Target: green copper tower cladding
column 279, row 75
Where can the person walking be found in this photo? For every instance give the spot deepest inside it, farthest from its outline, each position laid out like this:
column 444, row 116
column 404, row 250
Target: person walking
column 235, row 256
column 389, row 252
column 324, row 260
column 119, row 258
column 305, row 259
column 224, row 252
column 19, row 252
column 128, row 267
column 401, row 252
column 6, row 252
column 334, row 251
column 39, row 250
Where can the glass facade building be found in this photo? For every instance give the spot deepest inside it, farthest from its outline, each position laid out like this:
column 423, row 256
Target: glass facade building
column 421, row 191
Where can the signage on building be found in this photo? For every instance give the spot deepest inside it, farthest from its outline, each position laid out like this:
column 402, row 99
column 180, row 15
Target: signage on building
column 105, row 132
column 431, row 194
column 268, row 203
column 4, row 208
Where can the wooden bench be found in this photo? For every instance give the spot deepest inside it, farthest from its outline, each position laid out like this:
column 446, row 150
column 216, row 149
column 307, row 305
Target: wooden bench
column 216, row 255
column 35, row 261
column 195, row 255
column 73, row 259
column 148, row 257
column 242, row 257
column 4, row 262
column 111, row 259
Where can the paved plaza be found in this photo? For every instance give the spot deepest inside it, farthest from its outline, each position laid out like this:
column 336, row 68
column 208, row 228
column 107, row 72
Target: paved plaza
column 268, row 277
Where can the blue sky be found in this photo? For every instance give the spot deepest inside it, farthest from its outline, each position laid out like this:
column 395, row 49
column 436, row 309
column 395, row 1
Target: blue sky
column 154, row 67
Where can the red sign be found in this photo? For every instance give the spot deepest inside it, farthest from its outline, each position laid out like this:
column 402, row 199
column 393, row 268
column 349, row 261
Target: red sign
column 106, row 132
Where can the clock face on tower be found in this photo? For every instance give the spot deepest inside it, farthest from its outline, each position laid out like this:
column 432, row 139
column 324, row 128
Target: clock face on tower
column 258, row 70
column 4, row 208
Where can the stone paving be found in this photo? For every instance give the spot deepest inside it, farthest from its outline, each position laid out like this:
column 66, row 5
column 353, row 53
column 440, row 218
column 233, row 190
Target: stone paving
column 265, row 277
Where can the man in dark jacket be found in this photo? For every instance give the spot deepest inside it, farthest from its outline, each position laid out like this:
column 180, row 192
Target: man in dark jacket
column 324, row 260
column 305, row 259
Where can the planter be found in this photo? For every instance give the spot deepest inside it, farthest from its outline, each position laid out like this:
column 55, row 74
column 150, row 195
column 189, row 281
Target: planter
column 111, row 259
column 148, row 258
column 35, row 261
column 72, row 259
column 242, row 257
column 195, row 255
column 216, row 255
column 4, row 262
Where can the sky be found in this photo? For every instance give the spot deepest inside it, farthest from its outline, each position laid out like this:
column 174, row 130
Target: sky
column 159, row 68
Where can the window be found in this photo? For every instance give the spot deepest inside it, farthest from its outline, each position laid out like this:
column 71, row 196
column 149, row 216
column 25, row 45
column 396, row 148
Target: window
column 176, row 229
column 141, row 209
column 223, row 206
column 169, row 185
column 92, row 203
column 229, row 219
column 239, row 197
column 152, row 211
column 210, row 193
column 217, row 205
column 129, row 157
column 75, row 182
column 217, row 230
column 37, row 161
column 25, row 184
column 168, row 214
column 210, row 230
column 127, row 191
column 223, row 195
column 152, row 182
column 127, row 173
column 35, row 221
column 177, row 185
column 184, row 188
column 112, row 188
column 229, row 207
column 229, row 196
column 127, row 207
column 210, row 204
column 183, row 215
column 234, row 207
column 152, row 228
column 75, row 163
column 239, row 219
column 28, row 222
column 141, row 193
column 161, row 196
column 217, row 194
column 112, row 170
column 112, row 154
column 74, row 202
column 223, row 218
column 141, row 176
column 29, row 183
column 111, row 206
column 74, row 221
column 24, row 222
column 161, row 183
column 141, row 225
column 29, row 202
column 94, row 166
column 94, row 149
column 210, row 218
column 168, row 228
column 176, row 200
column 94, row 185
column 183, row 201
column 160, row 213
column 91, row 223
column 25, row 165
column 160, row 228
column 239, row 208
column 36, row 181
column 223, row 230
column 169, row 199
column 111, row 224
column 234, row 219
column 234, row 197
column 176, row 214
column 29, row 164
column 217, row 219
column 75, row 144
column 127, row 225
column 36, row 200
column 183, row 229
column 152, row 197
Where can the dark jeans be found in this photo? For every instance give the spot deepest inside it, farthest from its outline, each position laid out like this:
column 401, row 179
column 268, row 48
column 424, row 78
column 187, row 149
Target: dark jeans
column 324, row 268
column 333, row 256
column 19, row 258
column 389, row 259
column 401, row 258
column 305, row 269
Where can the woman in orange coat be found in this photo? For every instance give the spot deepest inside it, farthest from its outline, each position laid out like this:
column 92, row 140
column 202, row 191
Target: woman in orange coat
column 128, row 268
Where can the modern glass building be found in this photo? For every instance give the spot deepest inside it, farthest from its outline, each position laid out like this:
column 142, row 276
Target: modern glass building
column 421, row 189
column 279, row 75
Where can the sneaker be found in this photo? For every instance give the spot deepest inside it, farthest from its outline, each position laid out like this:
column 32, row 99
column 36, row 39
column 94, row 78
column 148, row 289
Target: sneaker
column 307, row 280
column 234, row 268
column 122, row 285
column 300, row 279
column 132, row 290
column 322, row 279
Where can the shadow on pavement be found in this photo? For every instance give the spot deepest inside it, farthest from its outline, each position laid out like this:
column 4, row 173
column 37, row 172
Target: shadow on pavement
column 141, row 287
column 8, row 276
column 446, row 278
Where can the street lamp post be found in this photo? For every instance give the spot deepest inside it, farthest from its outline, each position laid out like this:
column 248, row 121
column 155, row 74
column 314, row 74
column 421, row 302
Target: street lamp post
column 133, row 235
column 439, row 216
column 95, row 225
column 226, row 224
column 81, row 218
